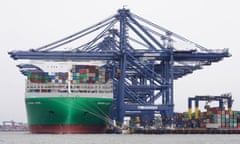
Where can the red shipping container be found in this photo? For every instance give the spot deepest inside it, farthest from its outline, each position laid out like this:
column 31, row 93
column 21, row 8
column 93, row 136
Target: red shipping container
column 89, row 80
column 92, row 69
column 44, row 90
column 83, row 71
column 66, row 75
column 85, row 66
column 106, row 77
column 37, row 81
column 227, row 125
column 223, row 125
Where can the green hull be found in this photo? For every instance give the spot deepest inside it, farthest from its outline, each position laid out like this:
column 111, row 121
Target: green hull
column 67, row 111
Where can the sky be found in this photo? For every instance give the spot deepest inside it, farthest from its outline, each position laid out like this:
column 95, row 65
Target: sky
column 30, row 24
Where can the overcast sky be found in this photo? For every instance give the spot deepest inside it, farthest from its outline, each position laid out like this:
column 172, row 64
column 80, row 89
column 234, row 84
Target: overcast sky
column 26, row 24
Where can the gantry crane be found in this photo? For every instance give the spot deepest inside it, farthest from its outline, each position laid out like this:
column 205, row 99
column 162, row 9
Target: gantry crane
column 142, row 57
column 220, row 99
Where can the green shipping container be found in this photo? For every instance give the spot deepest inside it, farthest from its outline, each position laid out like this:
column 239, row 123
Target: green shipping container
column 29, row 75
column 223, row 119
column 84, row 76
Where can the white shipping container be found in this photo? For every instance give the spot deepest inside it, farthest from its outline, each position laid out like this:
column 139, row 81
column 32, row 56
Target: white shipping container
column 91, row 75
column 213, row 125
column 227, row 116
column 102, row 80
column 235, row 125
column 73, row 81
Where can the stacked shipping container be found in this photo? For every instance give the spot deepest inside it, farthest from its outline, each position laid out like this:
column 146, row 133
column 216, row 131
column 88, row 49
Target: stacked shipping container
column 88, row 74
column 212, row 118
column 79, row 74
column 45, row 77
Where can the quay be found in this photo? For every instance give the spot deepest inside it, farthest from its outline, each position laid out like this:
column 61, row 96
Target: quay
column 185, row 131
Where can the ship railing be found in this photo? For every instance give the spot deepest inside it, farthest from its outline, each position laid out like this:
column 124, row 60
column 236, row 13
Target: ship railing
column 64, row 88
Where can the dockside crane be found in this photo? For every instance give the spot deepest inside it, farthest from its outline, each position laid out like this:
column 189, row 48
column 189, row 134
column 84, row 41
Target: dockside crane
column 141, row 56
column 220, row 99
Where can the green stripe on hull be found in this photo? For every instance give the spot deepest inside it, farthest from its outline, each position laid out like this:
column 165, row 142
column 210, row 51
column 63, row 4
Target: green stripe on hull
column 68, row 110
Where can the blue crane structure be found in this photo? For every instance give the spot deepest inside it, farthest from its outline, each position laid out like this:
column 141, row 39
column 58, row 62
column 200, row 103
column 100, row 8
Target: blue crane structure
column 143, row 58
column 220, row 99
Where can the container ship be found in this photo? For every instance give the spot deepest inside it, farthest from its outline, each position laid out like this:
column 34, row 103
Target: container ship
column 77, row 99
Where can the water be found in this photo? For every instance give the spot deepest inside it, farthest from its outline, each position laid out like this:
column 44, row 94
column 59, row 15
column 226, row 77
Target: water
column 27, row 138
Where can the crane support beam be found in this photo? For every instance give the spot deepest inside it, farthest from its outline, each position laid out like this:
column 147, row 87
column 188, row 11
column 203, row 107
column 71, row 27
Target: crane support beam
column 148, row 107
column 109, row 55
